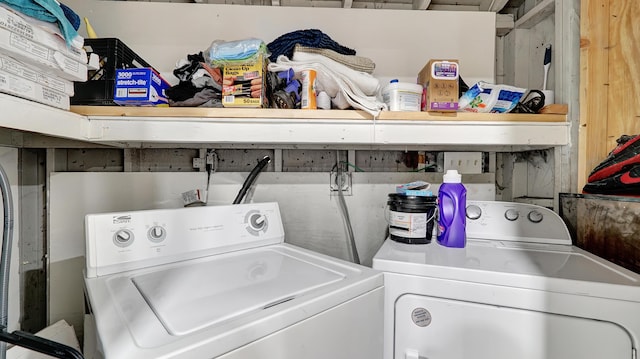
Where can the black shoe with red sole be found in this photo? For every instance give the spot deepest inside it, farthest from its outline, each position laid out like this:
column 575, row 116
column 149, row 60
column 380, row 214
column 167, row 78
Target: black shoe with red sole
column 625, row 183
column 622, row 158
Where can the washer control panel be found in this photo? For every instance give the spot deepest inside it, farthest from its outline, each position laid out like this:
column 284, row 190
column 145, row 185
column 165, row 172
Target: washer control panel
column 517, row 222
column 129, row 240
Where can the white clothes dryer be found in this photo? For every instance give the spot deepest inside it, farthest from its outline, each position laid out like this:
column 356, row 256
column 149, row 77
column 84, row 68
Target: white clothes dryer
column 218, row 282
column 518, row 290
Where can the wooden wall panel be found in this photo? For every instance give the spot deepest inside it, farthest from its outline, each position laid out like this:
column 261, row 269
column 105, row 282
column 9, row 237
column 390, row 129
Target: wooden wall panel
column 624, row 70
column 609, row 78
column 594, row 65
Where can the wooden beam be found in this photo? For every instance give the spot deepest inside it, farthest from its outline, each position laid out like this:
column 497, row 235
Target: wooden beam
column 566, row 61
column 454, row 7
column 504, row 24
column 421, row 4
column 537, row 14
column 275, row 2
column 493, row 5
column 347, row 4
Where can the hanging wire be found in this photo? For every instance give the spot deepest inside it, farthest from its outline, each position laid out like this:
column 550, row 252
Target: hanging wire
column 211, row 165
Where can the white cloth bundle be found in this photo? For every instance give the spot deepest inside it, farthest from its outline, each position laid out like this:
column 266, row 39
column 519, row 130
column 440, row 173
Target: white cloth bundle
column 345, row 86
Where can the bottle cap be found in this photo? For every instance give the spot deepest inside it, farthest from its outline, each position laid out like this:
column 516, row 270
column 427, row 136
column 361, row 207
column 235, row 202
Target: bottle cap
column 323, row 101
column 452, row 176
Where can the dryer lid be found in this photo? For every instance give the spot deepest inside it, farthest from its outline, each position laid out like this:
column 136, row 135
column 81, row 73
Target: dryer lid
column 198, row 295
column 558, row 268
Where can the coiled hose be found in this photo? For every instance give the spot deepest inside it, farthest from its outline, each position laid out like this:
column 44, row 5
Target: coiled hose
column 250, row 179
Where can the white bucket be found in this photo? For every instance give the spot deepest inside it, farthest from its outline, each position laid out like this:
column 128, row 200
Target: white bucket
column 402, row 96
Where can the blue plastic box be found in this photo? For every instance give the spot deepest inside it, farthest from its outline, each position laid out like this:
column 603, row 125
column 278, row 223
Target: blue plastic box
column 139, row 87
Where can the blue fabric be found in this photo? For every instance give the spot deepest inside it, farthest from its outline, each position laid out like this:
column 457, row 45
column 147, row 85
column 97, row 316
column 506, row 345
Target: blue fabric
column 45, row 10
column 71, row 15
column 32, row 9
column 285, row 44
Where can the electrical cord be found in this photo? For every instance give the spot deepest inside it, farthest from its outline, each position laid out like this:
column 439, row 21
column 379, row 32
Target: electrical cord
column 533, row 102
column 211, row 166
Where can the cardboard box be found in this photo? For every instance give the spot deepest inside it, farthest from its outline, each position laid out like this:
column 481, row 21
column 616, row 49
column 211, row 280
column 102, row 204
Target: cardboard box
column 140, row 87
column 49, row 60
column 25, row 71
column 18, row 86
column 242, row 85
column 439, row 79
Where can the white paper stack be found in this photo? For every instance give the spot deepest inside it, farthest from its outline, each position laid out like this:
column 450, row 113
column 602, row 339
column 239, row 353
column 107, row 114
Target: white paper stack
column 36, row 63
column 60, row 332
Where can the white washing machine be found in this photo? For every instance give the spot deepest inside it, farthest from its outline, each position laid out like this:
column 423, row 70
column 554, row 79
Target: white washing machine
column 218, row 282
column 518, row 290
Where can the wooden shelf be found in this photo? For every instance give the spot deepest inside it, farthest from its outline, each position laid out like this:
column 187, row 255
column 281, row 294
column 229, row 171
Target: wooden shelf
column 143, row 126
column 213, row 113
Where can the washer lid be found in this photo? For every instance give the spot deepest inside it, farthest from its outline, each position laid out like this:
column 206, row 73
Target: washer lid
column 184, row 300
column 559, row 268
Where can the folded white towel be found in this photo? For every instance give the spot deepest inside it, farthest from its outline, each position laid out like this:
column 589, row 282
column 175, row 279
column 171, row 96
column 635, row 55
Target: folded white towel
column 365, row 81
column 358, row 89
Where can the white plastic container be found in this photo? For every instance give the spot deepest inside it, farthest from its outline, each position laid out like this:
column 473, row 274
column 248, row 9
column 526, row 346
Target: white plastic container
column 402, row 96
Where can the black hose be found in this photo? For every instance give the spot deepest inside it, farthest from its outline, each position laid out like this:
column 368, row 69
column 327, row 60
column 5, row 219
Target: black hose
column 251, row 178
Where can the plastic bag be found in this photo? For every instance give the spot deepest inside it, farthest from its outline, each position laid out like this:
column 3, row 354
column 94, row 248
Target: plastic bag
column 485, row 97
column 245, row 52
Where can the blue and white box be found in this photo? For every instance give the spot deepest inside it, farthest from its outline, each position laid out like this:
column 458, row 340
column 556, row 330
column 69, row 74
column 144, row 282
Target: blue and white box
column 140, row 87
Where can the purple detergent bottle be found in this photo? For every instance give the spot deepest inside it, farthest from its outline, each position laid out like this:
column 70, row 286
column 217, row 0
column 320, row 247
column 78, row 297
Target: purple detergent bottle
column 452, row 205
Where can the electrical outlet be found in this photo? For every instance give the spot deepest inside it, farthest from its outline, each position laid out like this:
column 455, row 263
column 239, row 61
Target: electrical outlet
column 346, row 183
column 198, row 162
column 464, row 162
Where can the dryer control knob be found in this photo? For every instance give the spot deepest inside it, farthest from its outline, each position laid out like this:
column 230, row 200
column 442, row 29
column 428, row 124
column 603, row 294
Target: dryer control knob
column 511, row 214
column 535, row 216
column 473, row 212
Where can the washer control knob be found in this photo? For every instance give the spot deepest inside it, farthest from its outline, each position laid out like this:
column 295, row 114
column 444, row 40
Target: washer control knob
column 123, row 238
column 257, row 221
column 511, row 214
column 157, row 234
column 535, row 216
column 473, row 212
